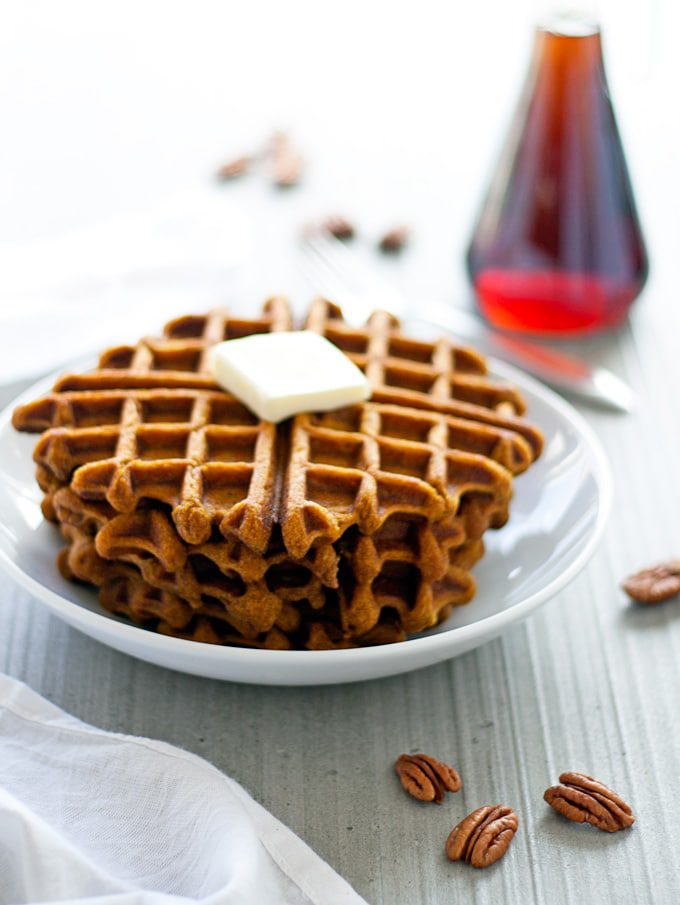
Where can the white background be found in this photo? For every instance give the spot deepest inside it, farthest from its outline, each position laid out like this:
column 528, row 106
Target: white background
column 108, row 109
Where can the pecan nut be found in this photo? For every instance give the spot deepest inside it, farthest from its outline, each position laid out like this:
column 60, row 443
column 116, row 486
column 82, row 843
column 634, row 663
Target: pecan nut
column 394, row 240
column 232, row 169
column 585, row 800
column 285, row 162
column 338, row 226
column 483, row 837
column 655, row 584
column 426, row 778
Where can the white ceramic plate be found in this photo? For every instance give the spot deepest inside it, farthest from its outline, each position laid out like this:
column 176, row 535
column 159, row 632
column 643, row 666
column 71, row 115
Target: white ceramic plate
column 557, row 516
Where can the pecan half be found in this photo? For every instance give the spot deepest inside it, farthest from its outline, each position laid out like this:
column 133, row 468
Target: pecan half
column 426, row 778
column 286, row 163
column 232, row 169
column 585, row 800
column 394, row 240
column 483, row 837
column 338, row 226
column 655, row 584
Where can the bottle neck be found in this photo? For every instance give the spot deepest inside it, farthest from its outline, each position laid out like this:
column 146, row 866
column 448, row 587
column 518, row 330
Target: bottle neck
column 569, row 25
column 566, row 46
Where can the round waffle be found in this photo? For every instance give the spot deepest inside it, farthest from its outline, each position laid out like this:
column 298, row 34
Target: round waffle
column 357, row 524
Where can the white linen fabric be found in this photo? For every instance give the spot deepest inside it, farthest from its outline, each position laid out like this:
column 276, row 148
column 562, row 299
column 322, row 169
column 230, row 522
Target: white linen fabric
column 97, row 817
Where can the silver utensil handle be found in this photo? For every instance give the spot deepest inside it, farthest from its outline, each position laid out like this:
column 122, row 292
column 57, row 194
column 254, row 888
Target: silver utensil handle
column 562, row 371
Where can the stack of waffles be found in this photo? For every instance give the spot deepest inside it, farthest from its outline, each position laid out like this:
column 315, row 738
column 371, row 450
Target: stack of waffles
column 347, row 528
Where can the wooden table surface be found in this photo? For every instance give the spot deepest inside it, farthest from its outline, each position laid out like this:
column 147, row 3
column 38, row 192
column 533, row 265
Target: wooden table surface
column 588, row 683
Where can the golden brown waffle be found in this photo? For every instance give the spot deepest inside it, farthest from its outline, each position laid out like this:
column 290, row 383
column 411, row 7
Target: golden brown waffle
column 373, row 513
column 411, row 569
column 440, row 376
column 358, row 466
column 124, row 590
column 250, row 589
column 149, row 425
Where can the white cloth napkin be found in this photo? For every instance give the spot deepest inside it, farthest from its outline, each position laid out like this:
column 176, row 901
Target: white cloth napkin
column 112, row 819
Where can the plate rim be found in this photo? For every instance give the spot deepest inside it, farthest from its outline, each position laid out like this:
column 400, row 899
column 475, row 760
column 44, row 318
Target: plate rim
column 487, row 627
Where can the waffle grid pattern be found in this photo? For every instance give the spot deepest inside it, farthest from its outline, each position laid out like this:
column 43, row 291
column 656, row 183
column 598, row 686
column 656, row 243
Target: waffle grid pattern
column 336, row 529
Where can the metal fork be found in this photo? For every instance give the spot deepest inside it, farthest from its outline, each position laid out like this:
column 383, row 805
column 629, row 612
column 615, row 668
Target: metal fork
column 338, row 273
column 342, row 276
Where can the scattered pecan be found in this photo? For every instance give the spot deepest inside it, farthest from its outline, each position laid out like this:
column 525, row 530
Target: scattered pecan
column 232, row 169
column 655, row 584
column 585, row 800
column 338, row 226
column 483, row 837
column 426, row 778
column 286, row 163
column 394, row 240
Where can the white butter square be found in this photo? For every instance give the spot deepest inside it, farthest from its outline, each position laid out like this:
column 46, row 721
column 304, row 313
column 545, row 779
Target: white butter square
column 282, row 374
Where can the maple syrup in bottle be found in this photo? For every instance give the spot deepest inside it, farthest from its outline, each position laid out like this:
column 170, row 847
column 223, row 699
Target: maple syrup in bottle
column 558, row 245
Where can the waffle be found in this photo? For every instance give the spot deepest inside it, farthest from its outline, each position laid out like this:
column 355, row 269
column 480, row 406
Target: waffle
column 411, row 569
column 150, row 425
column 124, row 590
column 364, row 522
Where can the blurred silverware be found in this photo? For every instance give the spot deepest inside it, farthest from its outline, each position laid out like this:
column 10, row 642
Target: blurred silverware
column 341, row 275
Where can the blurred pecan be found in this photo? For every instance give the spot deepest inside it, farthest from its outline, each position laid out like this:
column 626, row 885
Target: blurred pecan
column 287, row 170
column 426, row 778
column 655, row 584
column 234, row 168
column 338, row 226
column 285, row 161
column 394, row 240
column 483, row 837
column 585, row 800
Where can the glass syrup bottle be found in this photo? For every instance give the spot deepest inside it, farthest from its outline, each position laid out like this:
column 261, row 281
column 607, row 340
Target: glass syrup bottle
column 558, row 245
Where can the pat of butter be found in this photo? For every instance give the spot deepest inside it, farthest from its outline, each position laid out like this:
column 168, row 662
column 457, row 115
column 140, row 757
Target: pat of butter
column 282, row 374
